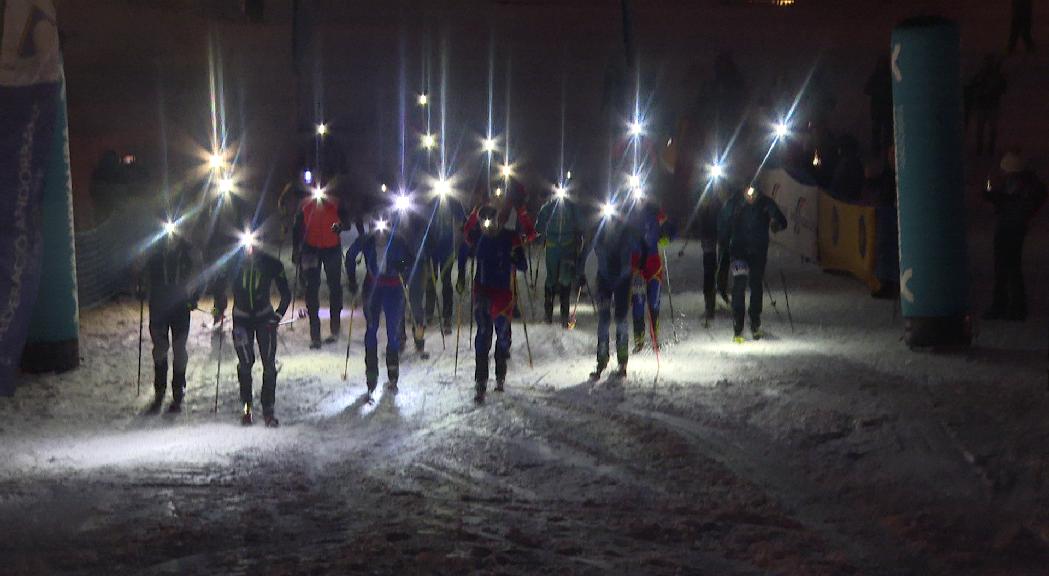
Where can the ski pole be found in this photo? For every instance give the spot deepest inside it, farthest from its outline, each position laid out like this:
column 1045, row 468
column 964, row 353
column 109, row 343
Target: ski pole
column 437, row 303
column 141, row 321
column 571, row 320
column 786, row 299
column 295, row 291
column 655, row 339
column 670, row 295
column 524, row 322
column 458, row 331
column 408, row 305
column 349, row 339
column 472, row 299
column 772, row 298
column 681, row 253
column 218, row 371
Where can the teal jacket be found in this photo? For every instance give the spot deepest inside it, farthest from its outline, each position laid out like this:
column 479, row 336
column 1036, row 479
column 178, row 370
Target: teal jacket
column 560, row 222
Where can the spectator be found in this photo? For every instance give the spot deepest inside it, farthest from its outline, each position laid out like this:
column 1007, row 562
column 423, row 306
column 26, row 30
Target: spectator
column 879, row 90
column 1020, row 27
column 983, row 96
column 1016, row 199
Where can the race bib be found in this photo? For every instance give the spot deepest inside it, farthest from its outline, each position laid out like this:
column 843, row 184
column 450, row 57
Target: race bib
column 739, row 268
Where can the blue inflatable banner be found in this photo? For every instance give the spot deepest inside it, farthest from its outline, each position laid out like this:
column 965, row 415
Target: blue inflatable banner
column 30, row 70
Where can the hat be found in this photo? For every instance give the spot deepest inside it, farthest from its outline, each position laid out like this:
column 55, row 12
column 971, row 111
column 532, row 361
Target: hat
column 1012, row 163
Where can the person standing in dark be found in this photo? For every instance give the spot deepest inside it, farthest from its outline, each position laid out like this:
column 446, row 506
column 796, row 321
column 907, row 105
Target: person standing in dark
column 1020, row 26
column 614, row 243
column 498, row 250
column 170, row 280
column 709, row 209
column 387, row 261
column 984, row 97
column 560, row 224
column 315, row 245
column 879, row 90
column 252, row 276
column 1016, row 199
column 447, row 216
column 744, row 232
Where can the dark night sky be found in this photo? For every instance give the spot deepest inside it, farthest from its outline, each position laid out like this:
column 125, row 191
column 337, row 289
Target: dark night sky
column 129, row 60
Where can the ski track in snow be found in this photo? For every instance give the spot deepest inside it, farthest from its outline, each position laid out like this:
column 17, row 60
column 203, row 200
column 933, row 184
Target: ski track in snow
column 829, row 450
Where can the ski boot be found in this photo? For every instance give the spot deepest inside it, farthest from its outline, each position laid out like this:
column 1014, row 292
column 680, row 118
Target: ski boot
column 620, row 372
column 500, row 370
column 639, row 343
column 160, row 383
column 271, row 420
column 566, row 307
column 708, row 318
column 481, row 377
column 419, row 335
column 178, row 391
column 393, row 370
column 602, row 363
column 371, row 370
column 446, row 326
column 548, row 306
column 738, row 338
column 336, row 329
column 315, row 332
column 756, row 333
column 246, row 419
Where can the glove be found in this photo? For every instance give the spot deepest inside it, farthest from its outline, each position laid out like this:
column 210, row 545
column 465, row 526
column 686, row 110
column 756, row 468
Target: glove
column 581, row 281
column 140, row 292
column 776, row 226
column 352, row 285
column 460, row 283
column 275, row 319
column 664, row 241
column 336, row 228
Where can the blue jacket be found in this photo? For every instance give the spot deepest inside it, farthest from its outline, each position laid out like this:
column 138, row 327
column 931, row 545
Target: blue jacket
column 496, row 257
column 651, row 224
column 613, row 244
column 386, row 258
column 446, row 217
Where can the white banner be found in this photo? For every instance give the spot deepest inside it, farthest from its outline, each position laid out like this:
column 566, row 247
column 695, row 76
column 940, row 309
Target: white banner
column 29, row 52
column 800, row 203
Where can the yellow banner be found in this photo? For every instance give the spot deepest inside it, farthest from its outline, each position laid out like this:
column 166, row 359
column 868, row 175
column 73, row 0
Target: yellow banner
column 847, row 238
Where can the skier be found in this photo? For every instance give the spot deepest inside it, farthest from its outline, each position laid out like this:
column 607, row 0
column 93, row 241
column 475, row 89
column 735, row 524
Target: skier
column 498, row 251
column 230, row 211
column 253, row 274
column 316, row 244
column 447, row 218
column 709, row 208
column 613, row 245
column 170, row 273
column 654, row 231
column 387, row 261
column 744, row 236
column 1016, row 200
column 983, row 96
column 560, row 224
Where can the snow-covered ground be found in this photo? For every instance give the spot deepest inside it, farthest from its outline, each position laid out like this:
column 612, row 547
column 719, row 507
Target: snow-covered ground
column 829, row 449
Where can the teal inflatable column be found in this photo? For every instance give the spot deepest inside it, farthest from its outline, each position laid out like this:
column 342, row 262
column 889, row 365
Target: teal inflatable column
column 54, row 331
column 934, row 270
